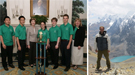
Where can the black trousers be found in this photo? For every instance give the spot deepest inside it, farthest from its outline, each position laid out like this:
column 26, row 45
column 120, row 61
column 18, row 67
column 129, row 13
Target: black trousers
column 54, row 53
column 32, row 53
column 21, row 53
column 66, row 54
column 42, row 47
column 8, row 52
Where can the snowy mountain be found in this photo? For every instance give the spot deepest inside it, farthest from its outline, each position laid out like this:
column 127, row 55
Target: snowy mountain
column 121, row 32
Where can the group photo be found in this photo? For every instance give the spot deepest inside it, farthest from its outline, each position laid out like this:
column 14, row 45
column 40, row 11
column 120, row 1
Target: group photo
column 43, row 37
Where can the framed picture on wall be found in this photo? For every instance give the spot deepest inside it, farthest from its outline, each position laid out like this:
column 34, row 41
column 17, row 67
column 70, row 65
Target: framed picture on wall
column 39, row 7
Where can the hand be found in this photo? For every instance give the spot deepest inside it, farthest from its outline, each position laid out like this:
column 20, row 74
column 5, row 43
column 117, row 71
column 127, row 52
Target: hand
column 29, row 46
column 19, row 48
column 108, row 50
column 46, row 47
column 4, row 46
column 56, row 46
column 96, row 50
column 68, row 46
column 79, row 47
column 13, row 44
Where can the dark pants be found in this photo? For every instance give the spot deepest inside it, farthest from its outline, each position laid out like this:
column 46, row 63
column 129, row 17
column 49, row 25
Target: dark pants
column 66, row 54
column 42, row 47
column 21, row 53
column 106, row 54
column 32, row 53
column 54, row 53
column 6, row 52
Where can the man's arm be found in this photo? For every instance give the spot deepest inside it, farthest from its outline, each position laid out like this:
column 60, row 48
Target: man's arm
column 13, row 37
column 58, row 40
column 18, row 43
column 57, row 45
column 1, row 38
column 71, row 35
column 109, row 43
column 95, row 44
column 17, row 39
column 70, row 40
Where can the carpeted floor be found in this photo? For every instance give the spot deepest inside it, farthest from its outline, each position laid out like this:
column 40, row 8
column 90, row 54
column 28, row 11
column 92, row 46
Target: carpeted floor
column 82, row 70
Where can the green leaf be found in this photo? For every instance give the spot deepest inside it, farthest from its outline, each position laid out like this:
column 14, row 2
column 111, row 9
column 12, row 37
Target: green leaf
column 39, row 19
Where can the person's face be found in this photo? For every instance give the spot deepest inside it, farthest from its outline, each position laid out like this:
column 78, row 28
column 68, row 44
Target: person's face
column 65, row 19
column 39, row 3
column 43, row 25
column 77, row 23
column 101, row 29
column 33, row 22
column 22, row 21
column 54, row 22
column 7, row 21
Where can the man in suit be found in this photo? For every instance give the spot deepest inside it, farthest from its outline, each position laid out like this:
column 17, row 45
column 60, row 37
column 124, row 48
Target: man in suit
column 39, row 9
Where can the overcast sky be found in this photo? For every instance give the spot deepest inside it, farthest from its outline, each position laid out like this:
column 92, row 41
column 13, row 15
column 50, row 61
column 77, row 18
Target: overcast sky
column 98, row 8
column 2, row 1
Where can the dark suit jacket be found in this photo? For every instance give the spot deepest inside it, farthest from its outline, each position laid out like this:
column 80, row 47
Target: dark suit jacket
column 79, row 36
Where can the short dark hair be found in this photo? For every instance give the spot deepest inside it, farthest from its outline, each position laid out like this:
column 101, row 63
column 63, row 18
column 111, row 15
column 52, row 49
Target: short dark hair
column 21, row 17
column 54, row 19
column 6, row 17
column 66, row 15
column 32, row 19
column 101, row 26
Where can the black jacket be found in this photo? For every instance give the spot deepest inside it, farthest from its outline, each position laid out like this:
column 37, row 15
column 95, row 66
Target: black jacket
column 102, row 41
column 79, row 36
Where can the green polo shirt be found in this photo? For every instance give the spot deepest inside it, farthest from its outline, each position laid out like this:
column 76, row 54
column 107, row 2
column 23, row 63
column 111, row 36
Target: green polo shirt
column 66, row 31
column 74, row 31
column 7, row 33
column 45, row 35
column 20, row 32
column 54, row 33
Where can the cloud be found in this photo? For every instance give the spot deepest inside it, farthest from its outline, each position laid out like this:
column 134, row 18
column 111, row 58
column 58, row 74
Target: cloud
column 98, row 8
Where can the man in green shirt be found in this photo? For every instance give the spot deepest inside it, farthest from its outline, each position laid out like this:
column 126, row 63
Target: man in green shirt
column 20, row 34
column 8, row 41
column 66, row 39
column 55, row 35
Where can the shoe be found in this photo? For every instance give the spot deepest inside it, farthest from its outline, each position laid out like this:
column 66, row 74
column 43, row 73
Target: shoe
column 31, row 65
column 75, row 67
column 98, row 69
column 108, row 69
column 12, row 66
column 72, row 65
column 22, row 68
column 34, row 64
column 25, row 65
column 55, row 67
column 5, row 68
column 66, row 69
column 46, row 65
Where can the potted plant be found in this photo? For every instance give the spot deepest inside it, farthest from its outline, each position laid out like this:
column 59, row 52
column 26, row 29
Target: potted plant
column 39, row 19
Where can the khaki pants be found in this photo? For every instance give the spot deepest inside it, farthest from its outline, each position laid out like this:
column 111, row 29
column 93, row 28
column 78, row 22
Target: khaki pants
column 106, row 54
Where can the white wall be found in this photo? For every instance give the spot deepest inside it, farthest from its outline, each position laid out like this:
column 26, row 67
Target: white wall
column 54, row 5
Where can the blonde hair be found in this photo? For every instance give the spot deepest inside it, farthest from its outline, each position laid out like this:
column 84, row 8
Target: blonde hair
column 79, row 21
